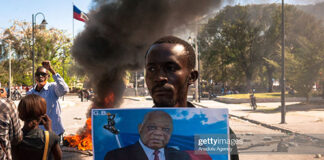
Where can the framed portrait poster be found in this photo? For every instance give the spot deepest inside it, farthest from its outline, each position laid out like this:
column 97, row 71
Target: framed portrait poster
column 175, row 133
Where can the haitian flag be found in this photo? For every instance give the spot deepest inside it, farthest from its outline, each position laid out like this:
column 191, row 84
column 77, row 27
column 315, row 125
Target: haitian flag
column 79, row 15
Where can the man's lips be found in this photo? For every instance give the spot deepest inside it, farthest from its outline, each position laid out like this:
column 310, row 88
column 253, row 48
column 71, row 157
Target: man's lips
column 40, row 79
column 156, row 141
column 161, row 92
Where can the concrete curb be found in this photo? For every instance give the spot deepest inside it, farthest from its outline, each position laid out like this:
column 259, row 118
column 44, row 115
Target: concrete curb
column 261, row 100
column 287, row 131
column 131, row 98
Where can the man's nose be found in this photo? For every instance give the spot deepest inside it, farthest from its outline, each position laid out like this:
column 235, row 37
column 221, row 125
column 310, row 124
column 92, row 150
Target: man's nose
column 158, row 132
column 162, row 76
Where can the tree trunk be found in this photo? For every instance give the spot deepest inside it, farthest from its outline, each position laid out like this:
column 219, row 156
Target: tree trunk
column 248, row 82
column 308, row 95
column 322, row 83
column 270, row 82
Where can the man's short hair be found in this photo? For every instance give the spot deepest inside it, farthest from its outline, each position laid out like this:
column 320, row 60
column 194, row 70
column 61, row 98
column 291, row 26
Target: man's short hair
column 175, row 40
column 40, row 67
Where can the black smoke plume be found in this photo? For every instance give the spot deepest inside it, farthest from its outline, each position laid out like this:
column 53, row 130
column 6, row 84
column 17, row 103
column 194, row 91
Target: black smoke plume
column 118, row 34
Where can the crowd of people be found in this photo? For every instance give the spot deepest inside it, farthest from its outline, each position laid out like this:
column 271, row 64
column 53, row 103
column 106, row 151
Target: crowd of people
column 169, row 67
column 40, row 110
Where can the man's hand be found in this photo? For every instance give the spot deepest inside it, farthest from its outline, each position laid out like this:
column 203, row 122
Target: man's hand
column 47, row 64
column 47, row 122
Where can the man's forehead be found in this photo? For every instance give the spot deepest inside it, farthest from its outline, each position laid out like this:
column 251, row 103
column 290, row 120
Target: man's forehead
column 165, row 51
column 174, row 47
column 159, row 123
column 157, row 117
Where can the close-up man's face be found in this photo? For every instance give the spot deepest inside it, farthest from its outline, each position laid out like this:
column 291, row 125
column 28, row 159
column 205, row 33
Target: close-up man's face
column 41, row 76
column 167, row 73
column 156, row 131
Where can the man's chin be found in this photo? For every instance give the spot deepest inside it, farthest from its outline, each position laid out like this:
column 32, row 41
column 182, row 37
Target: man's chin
column 159, row 103
column 41, row 84
column 156, row 146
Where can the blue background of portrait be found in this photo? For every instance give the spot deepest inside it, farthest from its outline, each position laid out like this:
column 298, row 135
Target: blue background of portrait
column 187, row 122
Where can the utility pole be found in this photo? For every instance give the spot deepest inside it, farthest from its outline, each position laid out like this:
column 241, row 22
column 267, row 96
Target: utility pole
column 136, row 83
column 9, row 57
column 283, row 106
column 9, row 52
column 63, row 68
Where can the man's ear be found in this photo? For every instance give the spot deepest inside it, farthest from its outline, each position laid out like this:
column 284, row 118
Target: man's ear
column 193, row 77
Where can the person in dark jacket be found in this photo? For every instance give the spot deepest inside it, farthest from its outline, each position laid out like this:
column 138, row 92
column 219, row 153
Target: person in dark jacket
column 155, row 132
column 32, row 110
column 169, row 66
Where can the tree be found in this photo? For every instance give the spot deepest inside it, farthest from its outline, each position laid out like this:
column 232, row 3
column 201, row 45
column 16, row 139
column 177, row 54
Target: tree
column 305, row 41
column 235, row 40
column 52, row 44
column 245, row 41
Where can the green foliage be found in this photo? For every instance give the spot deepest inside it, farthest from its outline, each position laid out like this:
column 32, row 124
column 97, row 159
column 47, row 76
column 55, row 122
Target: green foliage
column 242, row 44
column 236, row 41
column 257, row 95
column 51, row 44
column 305, row 40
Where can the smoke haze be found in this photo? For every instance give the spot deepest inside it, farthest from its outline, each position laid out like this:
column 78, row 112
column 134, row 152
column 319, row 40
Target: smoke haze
column 118, row 34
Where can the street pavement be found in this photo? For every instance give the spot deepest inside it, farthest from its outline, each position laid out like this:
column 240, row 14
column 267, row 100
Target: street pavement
column 303, row 122
column 260, row 142
column 308, row 121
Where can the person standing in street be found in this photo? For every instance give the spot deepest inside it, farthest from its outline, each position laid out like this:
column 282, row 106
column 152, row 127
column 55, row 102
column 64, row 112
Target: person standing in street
column 51, row 93
column 32, row 111
column 81, row 95
column 170, row 69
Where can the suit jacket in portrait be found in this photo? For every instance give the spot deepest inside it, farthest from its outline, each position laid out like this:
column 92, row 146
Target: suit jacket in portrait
column 136, row 152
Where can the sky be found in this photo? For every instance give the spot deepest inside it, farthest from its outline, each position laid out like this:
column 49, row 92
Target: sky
column 59, row 13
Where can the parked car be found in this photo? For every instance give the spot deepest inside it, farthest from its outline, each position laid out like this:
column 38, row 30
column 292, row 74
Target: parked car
column 3, row 93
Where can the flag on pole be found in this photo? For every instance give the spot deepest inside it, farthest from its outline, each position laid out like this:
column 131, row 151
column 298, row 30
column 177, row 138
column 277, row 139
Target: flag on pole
column 79, row 15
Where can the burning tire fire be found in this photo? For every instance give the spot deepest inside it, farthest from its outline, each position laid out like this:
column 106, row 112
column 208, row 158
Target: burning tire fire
column 81, row 142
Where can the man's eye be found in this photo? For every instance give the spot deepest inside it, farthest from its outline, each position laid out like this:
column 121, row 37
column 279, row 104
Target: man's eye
column 166, row 130
column 151, row 69
column 171, row 68
column 150, row 128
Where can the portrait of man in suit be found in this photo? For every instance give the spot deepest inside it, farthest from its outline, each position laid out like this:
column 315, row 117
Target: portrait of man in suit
column 155, row 132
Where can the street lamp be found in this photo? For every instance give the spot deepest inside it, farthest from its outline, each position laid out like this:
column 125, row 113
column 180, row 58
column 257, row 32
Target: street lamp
column 33, row 38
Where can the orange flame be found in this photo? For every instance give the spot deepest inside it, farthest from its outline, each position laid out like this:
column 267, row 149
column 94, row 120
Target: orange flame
column 84, row 140
column 109, row 100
